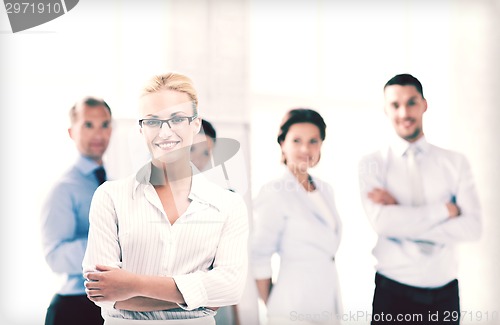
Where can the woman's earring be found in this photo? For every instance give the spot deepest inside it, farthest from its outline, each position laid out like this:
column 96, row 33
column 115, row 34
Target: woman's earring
column 283, row 158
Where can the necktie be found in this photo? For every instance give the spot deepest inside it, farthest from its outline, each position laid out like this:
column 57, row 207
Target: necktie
column 415, row 177
column 417, row 193
column 100, row 174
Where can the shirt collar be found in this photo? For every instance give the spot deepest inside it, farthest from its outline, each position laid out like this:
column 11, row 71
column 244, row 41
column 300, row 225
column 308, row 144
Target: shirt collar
column 86, row 165
column 201, row 190
column 142, row 177
column 290, row 176
column 399, row 146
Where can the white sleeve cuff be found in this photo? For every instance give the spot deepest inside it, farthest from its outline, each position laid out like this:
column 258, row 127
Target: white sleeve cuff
column 439, row 210
column 192, row 290
column 260, row 272
column 106, row 304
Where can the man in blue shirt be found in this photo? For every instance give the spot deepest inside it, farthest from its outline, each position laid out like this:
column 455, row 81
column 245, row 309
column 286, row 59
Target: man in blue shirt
column 65, row 214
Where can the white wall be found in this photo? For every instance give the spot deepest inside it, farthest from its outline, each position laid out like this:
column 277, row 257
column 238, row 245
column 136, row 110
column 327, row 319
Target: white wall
column 252, row 60
column 475, row 81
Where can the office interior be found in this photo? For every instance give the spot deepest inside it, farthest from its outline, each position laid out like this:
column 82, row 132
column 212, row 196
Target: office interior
column 251, row 61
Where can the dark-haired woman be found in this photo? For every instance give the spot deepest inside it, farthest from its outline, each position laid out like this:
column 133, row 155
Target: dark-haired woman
column 296, row 218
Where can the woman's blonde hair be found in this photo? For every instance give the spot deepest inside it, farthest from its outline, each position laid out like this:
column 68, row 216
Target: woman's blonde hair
column 172, row 81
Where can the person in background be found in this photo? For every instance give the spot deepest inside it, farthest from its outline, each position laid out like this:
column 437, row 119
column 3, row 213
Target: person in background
column 203, row 146
column 65, row 215
column 295, row 217
column 421, row 201
column 166, row 246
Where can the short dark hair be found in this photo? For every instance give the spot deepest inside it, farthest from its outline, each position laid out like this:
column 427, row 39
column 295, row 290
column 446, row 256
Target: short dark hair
column 88, row 101
column 405, row 79
column 301, row 115
column 208, row 129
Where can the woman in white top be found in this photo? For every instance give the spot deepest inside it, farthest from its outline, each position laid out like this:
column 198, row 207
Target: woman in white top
column 166, row 246
column 295, row 217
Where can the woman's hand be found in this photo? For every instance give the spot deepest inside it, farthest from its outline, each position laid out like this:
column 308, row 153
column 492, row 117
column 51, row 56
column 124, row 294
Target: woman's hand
column 110, row 284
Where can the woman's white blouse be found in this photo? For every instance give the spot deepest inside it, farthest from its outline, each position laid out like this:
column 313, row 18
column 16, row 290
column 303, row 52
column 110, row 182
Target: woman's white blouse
column 289, row 223
column 322, row 207
column 205, row 250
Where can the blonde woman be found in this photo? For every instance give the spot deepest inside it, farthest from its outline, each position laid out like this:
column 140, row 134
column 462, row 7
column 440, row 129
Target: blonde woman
column 166, row 246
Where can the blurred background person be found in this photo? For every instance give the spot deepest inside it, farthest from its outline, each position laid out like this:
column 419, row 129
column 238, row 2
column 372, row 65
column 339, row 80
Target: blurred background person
column 203, row 146
column 65, row 215
column 296, row 217
column 422, row 201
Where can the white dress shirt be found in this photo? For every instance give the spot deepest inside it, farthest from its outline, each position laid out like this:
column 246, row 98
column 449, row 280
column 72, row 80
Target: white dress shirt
column 416, row 244
column 289, row 223
column 205, row 250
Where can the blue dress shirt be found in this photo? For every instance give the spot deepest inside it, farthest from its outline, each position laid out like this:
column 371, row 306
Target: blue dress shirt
column 65, row 223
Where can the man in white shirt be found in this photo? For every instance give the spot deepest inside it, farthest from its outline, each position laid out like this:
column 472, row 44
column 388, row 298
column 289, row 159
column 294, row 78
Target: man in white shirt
column 421, row 200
